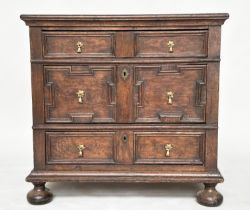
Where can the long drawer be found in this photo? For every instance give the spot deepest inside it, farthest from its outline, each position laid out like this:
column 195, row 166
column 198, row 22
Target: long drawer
column 80, row 147
column 165, row 147
column 160, row 93
column 169, row 147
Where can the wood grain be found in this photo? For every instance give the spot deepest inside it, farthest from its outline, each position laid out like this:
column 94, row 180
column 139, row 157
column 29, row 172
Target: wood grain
column 125, row 121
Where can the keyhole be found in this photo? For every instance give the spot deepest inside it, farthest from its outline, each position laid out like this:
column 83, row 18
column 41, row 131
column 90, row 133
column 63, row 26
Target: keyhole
column 124, row 74
column 125, row 138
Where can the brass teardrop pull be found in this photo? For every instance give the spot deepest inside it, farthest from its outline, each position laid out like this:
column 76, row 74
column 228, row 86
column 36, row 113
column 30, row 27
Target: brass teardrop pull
column 80, row 94
column 170, row 96
column 168, row 147
column 80, row 148
column 170, row 46
column 79, row 47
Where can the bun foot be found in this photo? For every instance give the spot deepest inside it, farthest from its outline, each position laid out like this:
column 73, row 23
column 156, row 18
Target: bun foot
column 209, row 196
column 39, row 195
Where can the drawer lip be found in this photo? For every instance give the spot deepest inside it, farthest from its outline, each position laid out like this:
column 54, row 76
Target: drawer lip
column 50, row 161
column 130, row 60
column 177, row 161
column 124, row 126
column 62, row 55
column 172, row 162
column 173, row 33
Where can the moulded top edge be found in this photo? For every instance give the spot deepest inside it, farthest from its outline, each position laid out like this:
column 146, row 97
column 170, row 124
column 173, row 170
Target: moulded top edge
column 31, row 18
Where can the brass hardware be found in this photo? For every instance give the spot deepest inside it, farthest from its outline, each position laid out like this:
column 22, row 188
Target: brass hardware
column 171, row 45
column 170, row 95
column 79, row 47
column 125, row 138
column 168, row 147
column 80, row 94
column 125, row 74
column 81, row 147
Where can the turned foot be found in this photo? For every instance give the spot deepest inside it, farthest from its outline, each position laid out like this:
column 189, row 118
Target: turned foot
column 209, row 196
column 39, row 195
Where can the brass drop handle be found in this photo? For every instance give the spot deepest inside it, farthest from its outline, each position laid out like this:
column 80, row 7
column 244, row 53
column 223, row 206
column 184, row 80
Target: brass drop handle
column 170, row 46
column 79, row 47
column 80, row 148
column 168, row 147
column 80, row 94
column 170, row 96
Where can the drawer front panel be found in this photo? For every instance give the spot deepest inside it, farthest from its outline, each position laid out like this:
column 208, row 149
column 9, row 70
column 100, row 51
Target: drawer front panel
column 80, row 148
column 80, row 94
column 169, row 148
column 172, row 44
column 78, row 44
column 170, row 93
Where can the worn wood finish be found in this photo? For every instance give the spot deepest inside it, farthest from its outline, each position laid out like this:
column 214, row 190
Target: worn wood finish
column 62, row 84
column 64, row 44
column 186, row 44
column 125, row 176
column 187, row 147
column 124, row 120
column 62, row 147
column 209, row 196
column 186, row 82
column 40, row 194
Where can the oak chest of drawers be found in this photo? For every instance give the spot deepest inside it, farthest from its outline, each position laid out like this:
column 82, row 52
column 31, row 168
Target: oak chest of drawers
column 128, row 98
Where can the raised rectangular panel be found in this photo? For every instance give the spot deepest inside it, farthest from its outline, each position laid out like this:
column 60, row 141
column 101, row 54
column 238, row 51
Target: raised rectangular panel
column 62, row 102
column 187, row 83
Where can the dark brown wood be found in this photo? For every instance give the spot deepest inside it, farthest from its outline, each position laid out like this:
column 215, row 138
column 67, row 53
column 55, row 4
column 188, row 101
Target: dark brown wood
column 125, row 90
column 188, row 147
column 39, row 195
column 63, row 44
column 188, row 84
column 62, row 103
column 155, row 176
column 124, row 44
column 187, row 44
column 126, row 21
column 209, row 196
column 62, row 148
column 125, row 147
column 124, row 120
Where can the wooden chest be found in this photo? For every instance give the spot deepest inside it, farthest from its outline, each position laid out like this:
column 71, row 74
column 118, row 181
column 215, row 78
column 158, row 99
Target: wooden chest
column 125, row 98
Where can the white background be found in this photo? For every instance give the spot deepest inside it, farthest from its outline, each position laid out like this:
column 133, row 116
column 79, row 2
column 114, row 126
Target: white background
column 16, row 117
